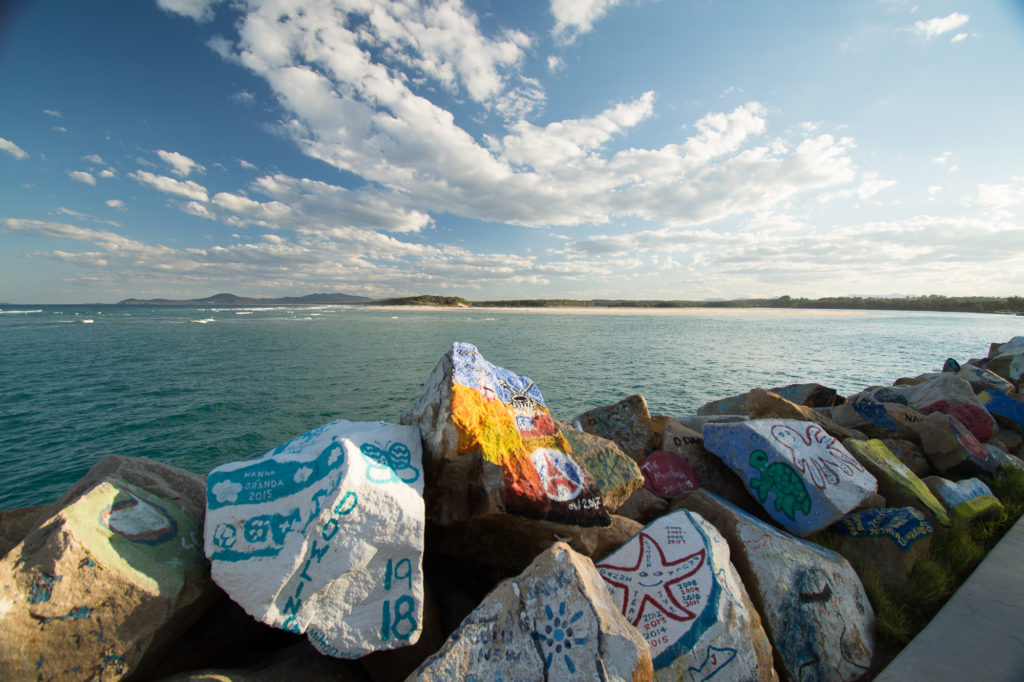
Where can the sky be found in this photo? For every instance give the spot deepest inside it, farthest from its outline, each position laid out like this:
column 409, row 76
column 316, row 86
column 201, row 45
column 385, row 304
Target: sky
column 638, row 149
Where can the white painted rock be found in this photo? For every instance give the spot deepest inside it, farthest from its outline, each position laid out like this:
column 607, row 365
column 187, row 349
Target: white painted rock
column 494, row 448
column 555, row 621
column 811, row 601
column 673, row 581
column 804, row 478
column 324, row 535
column 106, row 579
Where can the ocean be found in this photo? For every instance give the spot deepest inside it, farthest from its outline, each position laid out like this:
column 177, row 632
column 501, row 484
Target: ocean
column 198, row 387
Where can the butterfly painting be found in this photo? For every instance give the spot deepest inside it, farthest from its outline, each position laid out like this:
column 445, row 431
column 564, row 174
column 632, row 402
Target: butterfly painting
column 389, row 464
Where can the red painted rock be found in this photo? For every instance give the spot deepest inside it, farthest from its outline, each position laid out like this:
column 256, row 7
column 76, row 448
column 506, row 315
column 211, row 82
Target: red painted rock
column 948, row 394
column 666, row 474
column 951, row 448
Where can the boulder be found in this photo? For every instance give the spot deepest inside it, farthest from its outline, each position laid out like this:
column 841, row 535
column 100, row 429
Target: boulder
column 969, row 499
column 675, row 584
column 951, row 448
column 107, row 580
column 627, row 422
column 643, row 506
column 811, row 601
column 1007, row 359
column 615, row 474
column 910, row 454
column 888, row 538
column 555, row 621
column 804, row 478
column 980, row 378
column 949, row 394
column 666, row 474
column 897, row 484
column 879, row 419
column 491, row 447
column 512, row 542
column 1005, row 460
column 714, row 476
column 1009, row 441
column 299, row 661
column 763, row 404
column 810, row 395
column 324, row 536
column 16, row 523
column 1000, row 404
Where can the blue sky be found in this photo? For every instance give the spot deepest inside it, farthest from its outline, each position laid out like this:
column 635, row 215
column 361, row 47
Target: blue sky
column 571, row 148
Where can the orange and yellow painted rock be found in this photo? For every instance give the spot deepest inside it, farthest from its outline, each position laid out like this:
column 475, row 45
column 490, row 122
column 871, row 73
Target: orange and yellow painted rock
column 503, row 417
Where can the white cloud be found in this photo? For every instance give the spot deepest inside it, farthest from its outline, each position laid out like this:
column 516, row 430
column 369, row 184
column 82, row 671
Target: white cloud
column 246, row 165
column 60, row 129
column 999, row 199
column 959, row 37
column 182, row 188
column 555, row 64
column 93, row 158
column 200, row 10
column 83, row 177
column 935, row 27
column 51, row 112
column 943, row 158
column 181, row 165
column 576, row 17
column 107, row 173
column 115, row 203
column 13, row 149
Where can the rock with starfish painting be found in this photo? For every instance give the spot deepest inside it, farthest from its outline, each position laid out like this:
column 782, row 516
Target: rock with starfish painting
column 804, row 478
column 324, row 536
column 812, row 603
column 554, row 621
column 674, row 582
column 492, row 447
column 103, row 582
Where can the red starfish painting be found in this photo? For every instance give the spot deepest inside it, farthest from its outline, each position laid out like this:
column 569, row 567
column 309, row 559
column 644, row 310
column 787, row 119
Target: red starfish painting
column 647, row 581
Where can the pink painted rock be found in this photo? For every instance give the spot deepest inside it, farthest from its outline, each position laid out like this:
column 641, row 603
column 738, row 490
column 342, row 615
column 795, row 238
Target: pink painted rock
column 674, row 583
column 950, row 448
column 666, row 474
column 946, row 393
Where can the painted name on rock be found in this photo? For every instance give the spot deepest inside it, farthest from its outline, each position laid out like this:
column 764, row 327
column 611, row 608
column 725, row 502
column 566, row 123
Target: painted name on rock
column 324, row 536
column 667, row 474
column 803, row 477
column 904, row 526
column 503, row 416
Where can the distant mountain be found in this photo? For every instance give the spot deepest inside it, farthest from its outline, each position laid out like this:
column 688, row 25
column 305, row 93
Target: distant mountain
column 232, row 299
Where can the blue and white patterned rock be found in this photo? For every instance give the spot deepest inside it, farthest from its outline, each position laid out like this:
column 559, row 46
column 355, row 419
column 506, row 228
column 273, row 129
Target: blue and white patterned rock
column 324, row 536
column 890, row 538
column 554, row 621
column 673, row 581
column 812, row 603
column 804, row 478
column 968, row 499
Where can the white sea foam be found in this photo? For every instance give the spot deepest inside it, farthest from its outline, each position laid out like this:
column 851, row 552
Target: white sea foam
column 243, row 312
column 204, row 320
column 18, row 312
column 86, row 321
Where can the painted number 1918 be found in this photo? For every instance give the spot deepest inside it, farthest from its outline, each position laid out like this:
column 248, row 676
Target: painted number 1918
column 393, row 621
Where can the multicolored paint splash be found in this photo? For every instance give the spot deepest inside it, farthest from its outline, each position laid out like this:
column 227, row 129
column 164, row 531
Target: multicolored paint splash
column 503, row 416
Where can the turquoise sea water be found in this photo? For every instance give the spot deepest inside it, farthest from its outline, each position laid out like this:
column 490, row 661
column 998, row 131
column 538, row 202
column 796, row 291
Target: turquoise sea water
column 198, row 387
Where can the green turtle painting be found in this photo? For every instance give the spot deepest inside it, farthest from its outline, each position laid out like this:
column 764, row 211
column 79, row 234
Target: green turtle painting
column 781, row 479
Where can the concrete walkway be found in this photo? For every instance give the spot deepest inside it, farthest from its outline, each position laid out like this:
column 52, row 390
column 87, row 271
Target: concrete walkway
column 978, row 635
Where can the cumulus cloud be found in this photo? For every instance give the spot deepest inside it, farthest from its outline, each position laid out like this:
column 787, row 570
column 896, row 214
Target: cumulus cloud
column 107, row 173
column 933, row 28
column 1001, row 198
column 182, row 188
column 83, row 177
column 181, row 165
column 13, row 149
column 200, row 10
column 52, row 112
column 115, row 203
column 93, row 158
column 576, row 17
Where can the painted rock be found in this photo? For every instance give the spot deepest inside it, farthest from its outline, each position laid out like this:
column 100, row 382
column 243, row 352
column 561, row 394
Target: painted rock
column 980, row 378
column 910, row 454
column 555, row 621
column 896, row 483
column 1002, row 405
column 615, row 474
column 688, row 443
column 643, row 506
column 803, row 477
column 675, row 584
column 493, row 447
column 666, row 474
column 812, row 603
column 324, row 536
column 1007, row 359
column 627, row 422
column 951, row 395
column 950, row 447
column 968, row 499
column 879, row 419
column 891, row 539
column 1006, row 460
column 763, row 404
column 103, row 584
